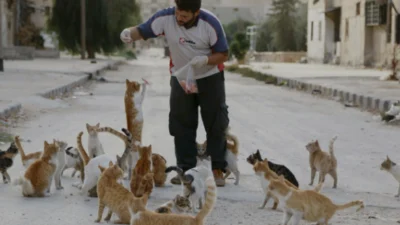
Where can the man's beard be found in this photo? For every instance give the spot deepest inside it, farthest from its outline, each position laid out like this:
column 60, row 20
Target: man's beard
column 188, row 24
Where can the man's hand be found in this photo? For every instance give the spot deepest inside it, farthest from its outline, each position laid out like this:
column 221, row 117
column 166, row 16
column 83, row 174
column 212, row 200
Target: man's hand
column 199, row 61
column 126, row 36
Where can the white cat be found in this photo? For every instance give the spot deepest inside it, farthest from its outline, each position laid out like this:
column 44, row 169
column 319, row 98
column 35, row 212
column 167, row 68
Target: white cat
column 193, row 180
column 392, row 168
column 72, row 158
column 95, row 148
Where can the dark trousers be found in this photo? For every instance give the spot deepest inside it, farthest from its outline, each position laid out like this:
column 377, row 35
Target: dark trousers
column 183, row 120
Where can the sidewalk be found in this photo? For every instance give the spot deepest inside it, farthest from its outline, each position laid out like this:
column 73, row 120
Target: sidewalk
column 361, row 87
column 45, row 77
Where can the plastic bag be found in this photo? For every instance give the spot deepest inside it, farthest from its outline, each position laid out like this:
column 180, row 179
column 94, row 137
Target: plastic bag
column 186, row 78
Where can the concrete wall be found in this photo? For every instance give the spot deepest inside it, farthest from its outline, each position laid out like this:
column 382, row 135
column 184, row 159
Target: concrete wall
column 279, row 56
column 352, row 45
column 316, row 44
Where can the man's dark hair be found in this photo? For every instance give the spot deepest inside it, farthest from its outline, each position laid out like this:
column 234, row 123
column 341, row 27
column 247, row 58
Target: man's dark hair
column 188, row 5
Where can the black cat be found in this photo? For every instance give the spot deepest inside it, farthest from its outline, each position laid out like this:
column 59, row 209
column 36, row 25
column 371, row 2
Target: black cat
column 277, row 168
column 6, row 161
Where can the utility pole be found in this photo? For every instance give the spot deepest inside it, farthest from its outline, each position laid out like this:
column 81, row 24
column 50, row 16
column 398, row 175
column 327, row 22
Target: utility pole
column 83, row 28
column 1, row 36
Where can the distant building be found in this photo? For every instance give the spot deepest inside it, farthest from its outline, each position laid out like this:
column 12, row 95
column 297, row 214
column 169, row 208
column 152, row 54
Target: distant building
column 352, row 32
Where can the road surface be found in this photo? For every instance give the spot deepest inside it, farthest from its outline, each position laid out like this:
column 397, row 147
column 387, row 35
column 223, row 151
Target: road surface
column 277, row 121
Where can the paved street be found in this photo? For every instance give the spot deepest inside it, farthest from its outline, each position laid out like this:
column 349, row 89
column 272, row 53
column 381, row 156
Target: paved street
column 277, row 121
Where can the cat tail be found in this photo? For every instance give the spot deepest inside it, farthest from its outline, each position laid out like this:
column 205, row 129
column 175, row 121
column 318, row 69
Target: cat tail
column 351, row 204
column 82, row 152
column 19, row 147
column 186, row 179
column 114, row 132
column 234, row 139
column 331, row 147
column 211, row 196
column 319, row 187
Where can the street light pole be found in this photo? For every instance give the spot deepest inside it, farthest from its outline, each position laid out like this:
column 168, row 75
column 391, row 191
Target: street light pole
column 1, row 36
column 83, row 28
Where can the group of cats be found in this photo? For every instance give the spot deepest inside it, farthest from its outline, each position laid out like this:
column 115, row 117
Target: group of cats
column 101, row 175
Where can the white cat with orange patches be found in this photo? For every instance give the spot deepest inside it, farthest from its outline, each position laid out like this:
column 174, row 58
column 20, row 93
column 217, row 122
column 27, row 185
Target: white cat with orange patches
column 392, row 168
column 95, row 148
column 306, row 204
column 36, row 181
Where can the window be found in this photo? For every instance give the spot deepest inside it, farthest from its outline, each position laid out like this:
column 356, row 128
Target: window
column 346, row 32
column 312, row 30
column 389, row 26
column 358, row 6
column 319, row 30
column 375, row 14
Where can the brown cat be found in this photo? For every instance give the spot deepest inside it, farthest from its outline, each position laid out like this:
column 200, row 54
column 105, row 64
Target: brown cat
column 322, row 161
column 306, row 204
column 141, row 216
column 114, row 195
column 27, row 159
column 133, row 108
column 178, row 205
column 38, row 177
column 143, row 167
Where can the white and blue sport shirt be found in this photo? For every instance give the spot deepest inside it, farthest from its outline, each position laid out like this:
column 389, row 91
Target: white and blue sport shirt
column 204, row 38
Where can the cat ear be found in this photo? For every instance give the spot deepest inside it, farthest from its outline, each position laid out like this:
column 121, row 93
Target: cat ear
column 110, row 163
column 101, row 168
column 387, row 157
column 265, row 160
column 87, row 126
column 46, row 144
column 127, row 82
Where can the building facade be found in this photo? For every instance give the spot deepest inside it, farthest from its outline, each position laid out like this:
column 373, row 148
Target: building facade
column 7, row 26
column 352, row 32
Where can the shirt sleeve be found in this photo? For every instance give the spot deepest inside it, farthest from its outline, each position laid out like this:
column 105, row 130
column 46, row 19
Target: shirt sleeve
column 218, row 40
column 155, row 26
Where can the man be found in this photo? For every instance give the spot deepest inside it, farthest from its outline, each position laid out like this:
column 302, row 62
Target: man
column 195, row 36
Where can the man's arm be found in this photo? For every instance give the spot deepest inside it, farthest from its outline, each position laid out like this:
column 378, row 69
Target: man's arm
column 217, row 58
column 135, row 34
column 219, row 44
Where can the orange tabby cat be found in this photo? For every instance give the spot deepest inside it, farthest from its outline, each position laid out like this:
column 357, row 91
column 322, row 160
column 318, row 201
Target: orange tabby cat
column 114, row 195
column 38, row 177
column 133, row 108
column 141, row 216
column 143, row 167
column 306, row 204
column 27, row 159
column 134, row 117
column 265, row 174
column 322, row 161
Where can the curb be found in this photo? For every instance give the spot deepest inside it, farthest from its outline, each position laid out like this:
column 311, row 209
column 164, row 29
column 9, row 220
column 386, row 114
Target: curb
column 57, row 91
column 358, row 100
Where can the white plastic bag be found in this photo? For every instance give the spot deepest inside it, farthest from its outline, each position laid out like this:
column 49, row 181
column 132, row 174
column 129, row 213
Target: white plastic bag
column 186, row 78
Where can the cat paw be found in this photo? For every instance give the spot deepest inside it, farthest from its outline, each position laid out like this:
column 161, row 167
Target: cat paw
column 97, row 221
column 311, row 184
column 47, row 194
column 60, row 188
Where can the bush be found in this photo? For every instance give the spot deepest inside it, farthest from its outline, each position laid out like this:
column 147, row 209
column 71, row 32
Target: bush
column 247, row 72
column 239, row 47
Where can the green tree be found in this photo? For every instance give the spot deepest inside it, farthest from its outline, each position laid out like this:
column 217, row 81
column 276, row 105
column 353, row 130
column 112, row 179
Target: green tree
column 264, row 38
column 239, row 46
column 104, row 21
column 232, row 28
column 282, row 22
column 301, row 27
